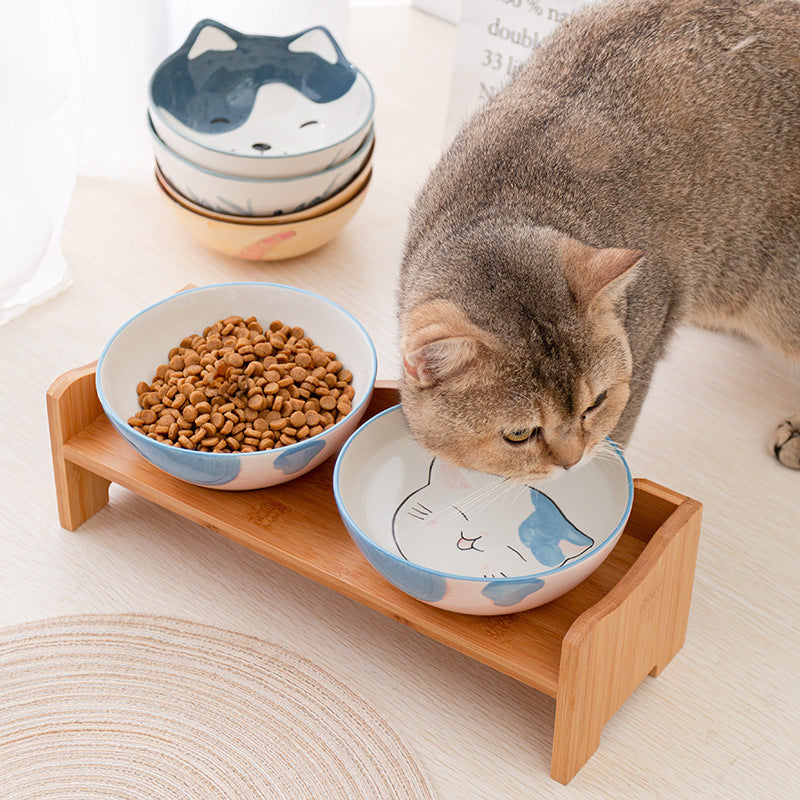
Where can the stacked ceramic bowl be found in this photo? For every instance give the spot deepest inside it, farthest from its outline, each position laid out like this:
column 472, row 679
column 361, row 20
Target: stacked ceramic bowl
column 263, row 144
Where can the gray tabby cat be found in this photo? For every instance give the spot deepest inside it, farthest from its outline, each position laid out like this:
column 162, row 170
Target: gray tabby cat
column 640, row 172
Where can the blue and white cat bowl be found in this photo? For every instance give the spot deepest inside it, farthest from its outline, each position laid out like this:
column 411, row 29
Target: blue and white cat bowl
column 257, row 197
column 261, row 106
column 472, row 542
column 136, row 350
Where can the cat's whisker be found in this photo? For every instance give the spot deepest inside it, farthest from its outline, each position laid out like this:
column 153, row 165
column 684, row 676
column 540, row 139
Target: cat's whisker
column 508, row 496
column 605, row 451
column 501, row 494
column 520, row 490
column 609, row 448
column 479, row 498
column 485, row 494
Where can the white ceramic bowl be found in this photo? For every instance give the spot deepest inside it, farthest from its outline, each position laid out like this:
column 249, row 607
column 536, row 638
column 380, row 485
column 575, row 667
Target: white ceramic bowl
column 274, row 240
column 260, row 106
column 257, row 197
column 331, row 204
column 135, row 351
column 467, row 541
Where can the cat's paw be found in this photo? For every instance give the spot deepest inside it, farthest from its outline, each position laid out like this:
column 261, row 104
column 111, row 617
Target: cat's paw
column 786, row 442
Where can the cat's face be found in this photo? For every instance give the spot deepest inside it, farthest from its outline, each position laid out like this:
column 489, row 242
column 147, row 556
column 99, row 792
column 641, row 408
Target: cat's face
column 532, row 396
column 475, row 524
column 260, row 95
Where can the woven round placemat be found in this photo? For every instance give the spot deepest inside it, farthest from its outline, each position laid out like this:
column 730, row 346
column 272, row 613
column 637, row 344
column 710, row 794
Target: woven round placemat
column 133, row 706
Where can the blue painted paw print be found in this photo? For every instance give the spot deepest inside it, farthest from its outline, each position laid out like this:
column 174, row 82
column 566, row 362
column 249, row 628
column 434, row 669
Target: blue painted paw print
column 299, row 456
column 503, row 593
column 204, row 469
column 425, row 586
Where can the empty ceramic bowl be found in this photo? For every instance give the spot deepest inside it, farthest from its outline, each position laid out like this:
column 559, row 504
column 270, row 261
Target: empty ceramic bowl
column 260, row 106
column 136, row 350
column 318, row 209
column 273, row 240
column 472, row 542
column 257, row 196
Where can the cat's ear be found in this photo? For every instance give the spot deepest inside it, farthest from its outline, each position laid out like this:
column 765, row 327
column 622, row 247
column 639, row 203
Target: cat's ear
column 439, row 342
column 439, row 358
column 208, row 35
column 592, row 272
column 317, row 40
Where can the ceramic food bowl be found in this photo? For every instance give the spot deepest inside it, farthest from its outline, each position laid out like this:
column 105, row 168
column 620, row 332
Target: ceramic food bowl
column 467, row 541
column 260, row 106
column 262, row 197
column 318, row 209
column 136, row 350
column 269, row 241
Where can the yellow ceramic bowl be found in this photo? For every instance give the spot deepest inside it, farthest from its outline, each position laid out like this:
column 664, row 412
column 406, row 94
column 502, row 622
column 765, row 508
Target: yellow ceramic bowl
column 271, row 241
column 334, row 201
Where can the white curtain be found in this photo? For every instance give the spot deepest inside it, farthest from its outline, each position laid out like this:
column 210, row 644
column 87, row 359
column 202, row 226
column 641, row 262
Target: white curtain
column 39, row 143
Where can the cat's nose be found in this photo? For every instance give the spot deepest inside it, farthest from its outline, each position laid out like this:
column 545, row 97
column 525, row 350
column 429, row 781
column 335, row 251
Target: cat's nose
column 566, row 457
column 566, row 450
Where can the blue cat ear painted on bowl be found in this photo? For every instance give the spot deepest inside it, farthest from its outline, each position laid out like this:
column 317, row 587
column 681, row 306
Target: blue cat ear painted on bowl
column 549, row 535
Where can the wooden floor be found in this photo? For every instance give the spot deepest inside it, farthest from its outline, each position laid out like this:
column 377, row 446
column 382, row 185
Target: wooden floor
column 721, row 721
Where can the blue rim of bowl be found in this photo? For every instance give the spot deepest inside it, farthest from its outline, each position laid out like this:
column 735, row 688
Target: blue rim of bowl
column 369, row 139
column 286, row 449
column 504, row 581
column 370, row 113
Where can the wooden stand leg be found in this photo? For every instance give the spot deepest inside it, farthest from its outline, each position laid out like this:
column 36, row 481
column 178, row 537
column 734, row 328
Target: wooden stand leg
column 72, row 404
column 674, row 606
column 635, row 630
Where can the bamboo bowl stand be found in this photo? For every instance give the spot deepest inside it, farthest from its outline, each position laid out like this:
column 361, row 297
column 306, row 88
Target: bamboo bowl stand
column 589, row 649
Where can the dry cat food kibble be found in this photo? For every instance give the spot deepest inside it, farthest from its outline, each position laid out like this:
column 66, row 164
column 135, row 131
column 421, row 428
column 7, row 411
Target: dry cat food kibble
column 241, row 388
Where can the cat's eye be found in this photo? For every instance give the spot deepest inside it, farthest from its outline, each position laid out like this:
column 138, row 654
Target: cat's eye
column 598, row 401
column 220, row 120
column 310, row 122
column 522, row 435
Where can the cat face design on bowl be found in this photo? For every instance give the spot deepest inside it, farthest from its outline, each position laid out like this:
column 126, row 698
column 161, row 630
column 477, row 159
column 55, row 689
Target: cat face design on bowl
column 482, row 526
column 261, row 95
